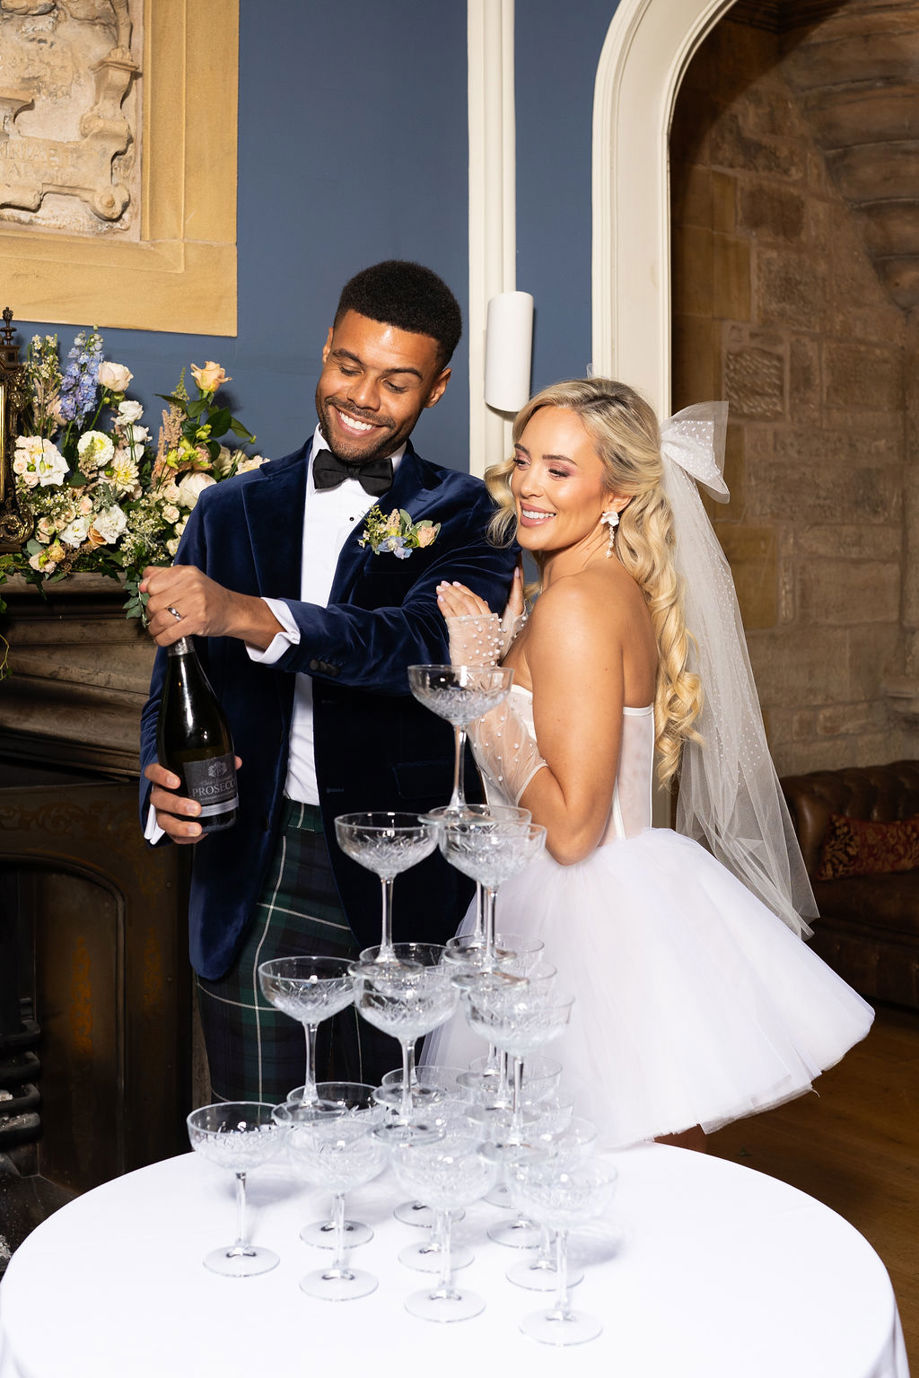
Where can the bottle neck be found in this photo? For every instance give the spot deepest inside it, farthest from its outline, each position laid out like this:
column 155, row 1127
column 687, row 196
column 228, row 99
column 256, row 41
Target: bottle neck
column 182, row 647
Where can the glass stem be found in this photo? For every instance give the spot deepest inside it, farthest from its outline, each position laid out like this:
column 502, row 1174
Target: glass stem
column 408, row 1059
column 562, row 1306
column 386, row 949
column 242, row 1243
column 516, row 1097
column 544, row 1258
column 309, row 1081
column 338, row 1222
column 458, row 797
column 444, row 1230
column 479, row 931
column 489, row 925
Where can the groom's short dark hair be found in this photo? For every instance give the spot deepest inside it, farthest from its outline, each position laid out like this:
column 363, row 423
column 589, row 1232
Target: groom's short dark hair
column 408, row 296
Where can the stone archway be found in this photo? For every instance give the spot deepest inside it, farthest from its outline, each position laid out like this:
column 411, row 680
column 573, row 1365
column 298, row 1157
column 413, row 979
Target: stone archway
column 647, row 49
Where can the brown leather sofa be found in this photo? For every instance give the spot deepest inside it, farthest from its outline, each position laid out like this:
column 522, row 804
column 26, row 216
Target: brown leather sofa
column 868, row 929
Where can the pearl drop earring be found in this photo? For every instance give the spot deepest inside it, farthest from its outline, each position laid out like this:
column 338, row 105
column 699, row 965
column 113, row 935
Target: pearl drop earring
column 611, row 520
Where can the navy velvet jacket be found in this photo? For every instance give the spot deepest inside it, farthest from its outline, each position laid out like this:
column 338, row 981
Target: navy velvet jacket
column 376, row 747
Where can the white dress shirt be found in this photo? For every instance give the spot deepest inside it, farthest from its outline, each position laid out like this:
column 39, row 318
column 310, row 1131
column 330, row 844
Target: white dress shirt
column 329, row 517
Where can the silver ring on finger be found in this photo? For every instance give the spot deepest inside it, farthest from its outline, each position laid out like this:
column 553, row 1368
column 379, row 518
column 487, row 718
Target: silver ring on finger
column 175, row 612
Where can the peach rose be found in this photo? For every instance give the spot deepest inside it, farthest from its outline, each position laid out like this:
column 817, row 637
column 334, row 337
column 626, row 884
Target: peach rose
column 210, row 377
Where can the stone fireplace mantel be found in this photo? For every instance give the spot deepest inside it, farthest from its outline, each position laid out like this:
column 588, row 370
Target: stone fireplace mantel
column 79, row 676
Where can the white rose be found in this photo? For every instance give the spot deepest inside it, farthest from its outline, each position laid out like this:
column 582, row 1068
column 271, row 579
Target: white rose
column 95, row 449
column 170, row 512
column 138, row 434
column 172, row 547
column 75, row 532
column 107, row 526
column 114, row 377
column 246, row 466
column 128, row 414
column 192, row 486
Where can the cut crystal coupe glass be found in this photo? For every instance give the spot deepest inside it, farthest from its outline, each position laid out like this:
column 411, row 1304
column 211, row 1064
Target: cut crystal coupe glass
column 461, row 694
column 309, row 989
column 238, row 1136
column 407, row 996
column 387, row 844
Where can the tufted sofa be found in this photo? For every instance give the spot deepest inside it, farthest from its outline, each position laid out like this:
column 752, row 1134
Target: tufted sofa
column 868, row 929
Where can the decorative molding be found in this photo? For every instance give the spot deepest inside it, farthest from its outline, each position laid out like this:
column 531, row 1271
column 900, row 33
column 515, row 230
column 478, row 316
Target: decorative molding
column 647, row 49
column 492, row 205
column 181, row 276
column 81, row 675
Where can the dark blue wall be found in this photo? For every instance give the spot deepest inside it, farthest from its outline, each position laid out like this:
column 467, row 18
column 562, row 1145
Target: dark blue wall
column 352, row 148
column 558, row 47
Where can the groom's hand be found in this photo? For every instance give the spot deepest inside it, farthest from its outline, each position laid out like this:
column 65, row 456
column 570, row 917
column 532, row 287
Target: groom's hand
column 176, row 814
column 182, row 601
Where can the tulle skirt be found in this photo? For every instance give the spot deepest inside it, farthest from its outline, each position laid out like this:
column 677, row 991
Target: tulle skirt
column 694, row 1004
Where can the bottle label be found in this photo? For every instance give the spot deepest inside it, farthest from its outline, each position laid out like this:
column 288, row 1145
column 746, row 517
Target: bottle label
column 212, row 783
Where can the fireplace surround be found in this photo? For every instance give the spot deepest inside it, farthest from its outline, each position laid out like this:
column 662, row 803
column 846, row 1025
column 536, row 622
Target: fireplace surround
column 95, row 1000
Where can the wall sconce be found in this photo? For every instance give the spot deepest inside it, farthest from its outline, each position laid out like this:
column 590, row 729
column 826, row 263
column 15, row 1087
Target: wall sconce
column 508, row 351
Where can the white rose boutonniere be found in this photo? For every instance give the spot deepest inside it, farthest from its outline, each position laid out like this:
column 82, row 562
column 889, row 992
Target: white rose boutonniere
column 396, row 533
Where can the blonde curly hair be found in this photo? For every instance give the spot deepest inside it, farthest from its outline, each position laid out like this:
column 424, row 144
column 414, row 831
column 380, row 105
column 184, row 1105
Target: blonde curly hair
column 626, row 436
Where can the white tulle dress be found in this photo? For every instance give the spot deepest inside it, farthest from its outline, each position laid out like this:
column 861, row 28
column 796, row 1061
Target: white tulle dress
column 694, row 1004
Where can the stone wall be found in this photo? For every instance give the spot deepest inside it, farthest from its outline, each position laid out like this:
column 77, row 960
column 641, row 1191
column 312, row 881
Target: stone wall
column 778, row 309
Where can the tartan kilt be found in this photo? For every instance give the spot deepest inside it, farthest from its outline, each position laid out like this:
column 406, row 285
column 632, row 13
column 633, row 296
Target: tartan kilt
column 254, row 1051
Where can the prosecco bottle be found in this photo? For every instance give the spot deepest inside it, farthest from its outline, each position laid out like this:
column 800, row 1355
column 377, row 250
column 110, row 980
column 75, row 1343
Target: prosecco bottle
column 193, row 739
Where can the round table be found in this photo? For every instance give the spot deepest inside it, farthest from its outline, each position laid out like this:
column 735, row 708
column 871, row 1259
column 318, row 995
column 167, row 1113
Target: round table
column 701, row 1268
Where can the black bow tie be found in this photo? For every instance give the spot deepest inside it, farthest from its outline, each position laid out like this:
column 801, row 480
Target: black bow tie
column 375, row 477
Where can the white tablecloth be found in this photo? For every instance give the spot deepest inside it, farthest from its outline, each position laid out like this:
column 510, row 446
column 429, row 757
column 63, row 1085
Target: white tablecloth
column 701, row 1269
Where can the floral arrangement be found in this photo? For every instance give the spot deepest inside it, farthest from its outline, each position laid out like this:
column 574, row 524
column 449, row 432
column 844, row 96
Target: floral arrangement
column 99, row 497
column 397, row 533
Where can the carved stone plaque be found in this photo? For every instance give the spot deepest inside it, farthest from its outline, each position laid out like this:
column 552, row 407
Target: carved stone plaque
column 70, row 115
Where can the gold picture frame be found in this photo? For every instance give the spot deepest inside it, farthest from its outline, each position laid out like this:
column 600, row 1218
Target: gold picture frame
column 181, row 276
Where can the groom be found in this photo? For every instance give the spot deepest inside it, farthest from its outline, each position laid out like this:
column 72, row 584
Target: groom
column 305, row 634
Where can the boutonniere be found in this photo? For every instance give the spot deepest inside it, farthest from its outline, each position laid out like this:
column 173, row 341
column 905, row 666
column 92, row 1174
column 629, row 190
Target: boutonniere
column 397, row 533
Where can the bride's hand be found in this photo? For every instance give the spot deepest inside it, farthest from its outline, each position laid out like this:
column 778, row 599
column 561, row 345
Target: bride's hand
column 474, row 630
column 455, row 600
column 479, row 636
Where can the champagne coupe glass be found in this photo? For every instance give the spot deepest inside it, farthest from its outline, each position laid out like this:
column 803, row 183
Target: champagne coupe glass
column 448, row 1169
column 309, row 989
column 346, row 1099
column 498, row 813
column 433, row 1096
column 491, row 853
column 339, row 1152
column 563, row 1197
column 405, row 997
column 540, row 1077
column 461, row 694
column 238, row 1135
column 387, row 844
column 518, row 1020
column 536, row 1271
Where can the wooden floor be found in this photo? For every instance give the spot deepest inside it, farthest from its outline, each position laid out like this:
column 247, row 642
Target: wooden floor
column 855, row 1147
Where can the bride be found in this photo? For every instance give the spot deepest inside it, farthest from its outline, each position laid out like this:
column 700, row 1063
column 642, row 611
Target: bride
column 696, row 1000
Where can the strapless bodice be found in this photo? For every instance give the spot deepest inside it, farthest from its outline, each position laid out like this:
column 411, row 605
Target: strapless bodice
column 630, row 806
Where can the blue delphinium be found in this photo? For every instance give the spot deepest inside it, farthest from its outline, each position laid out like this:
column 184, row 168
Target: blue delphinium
column 80, row 382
